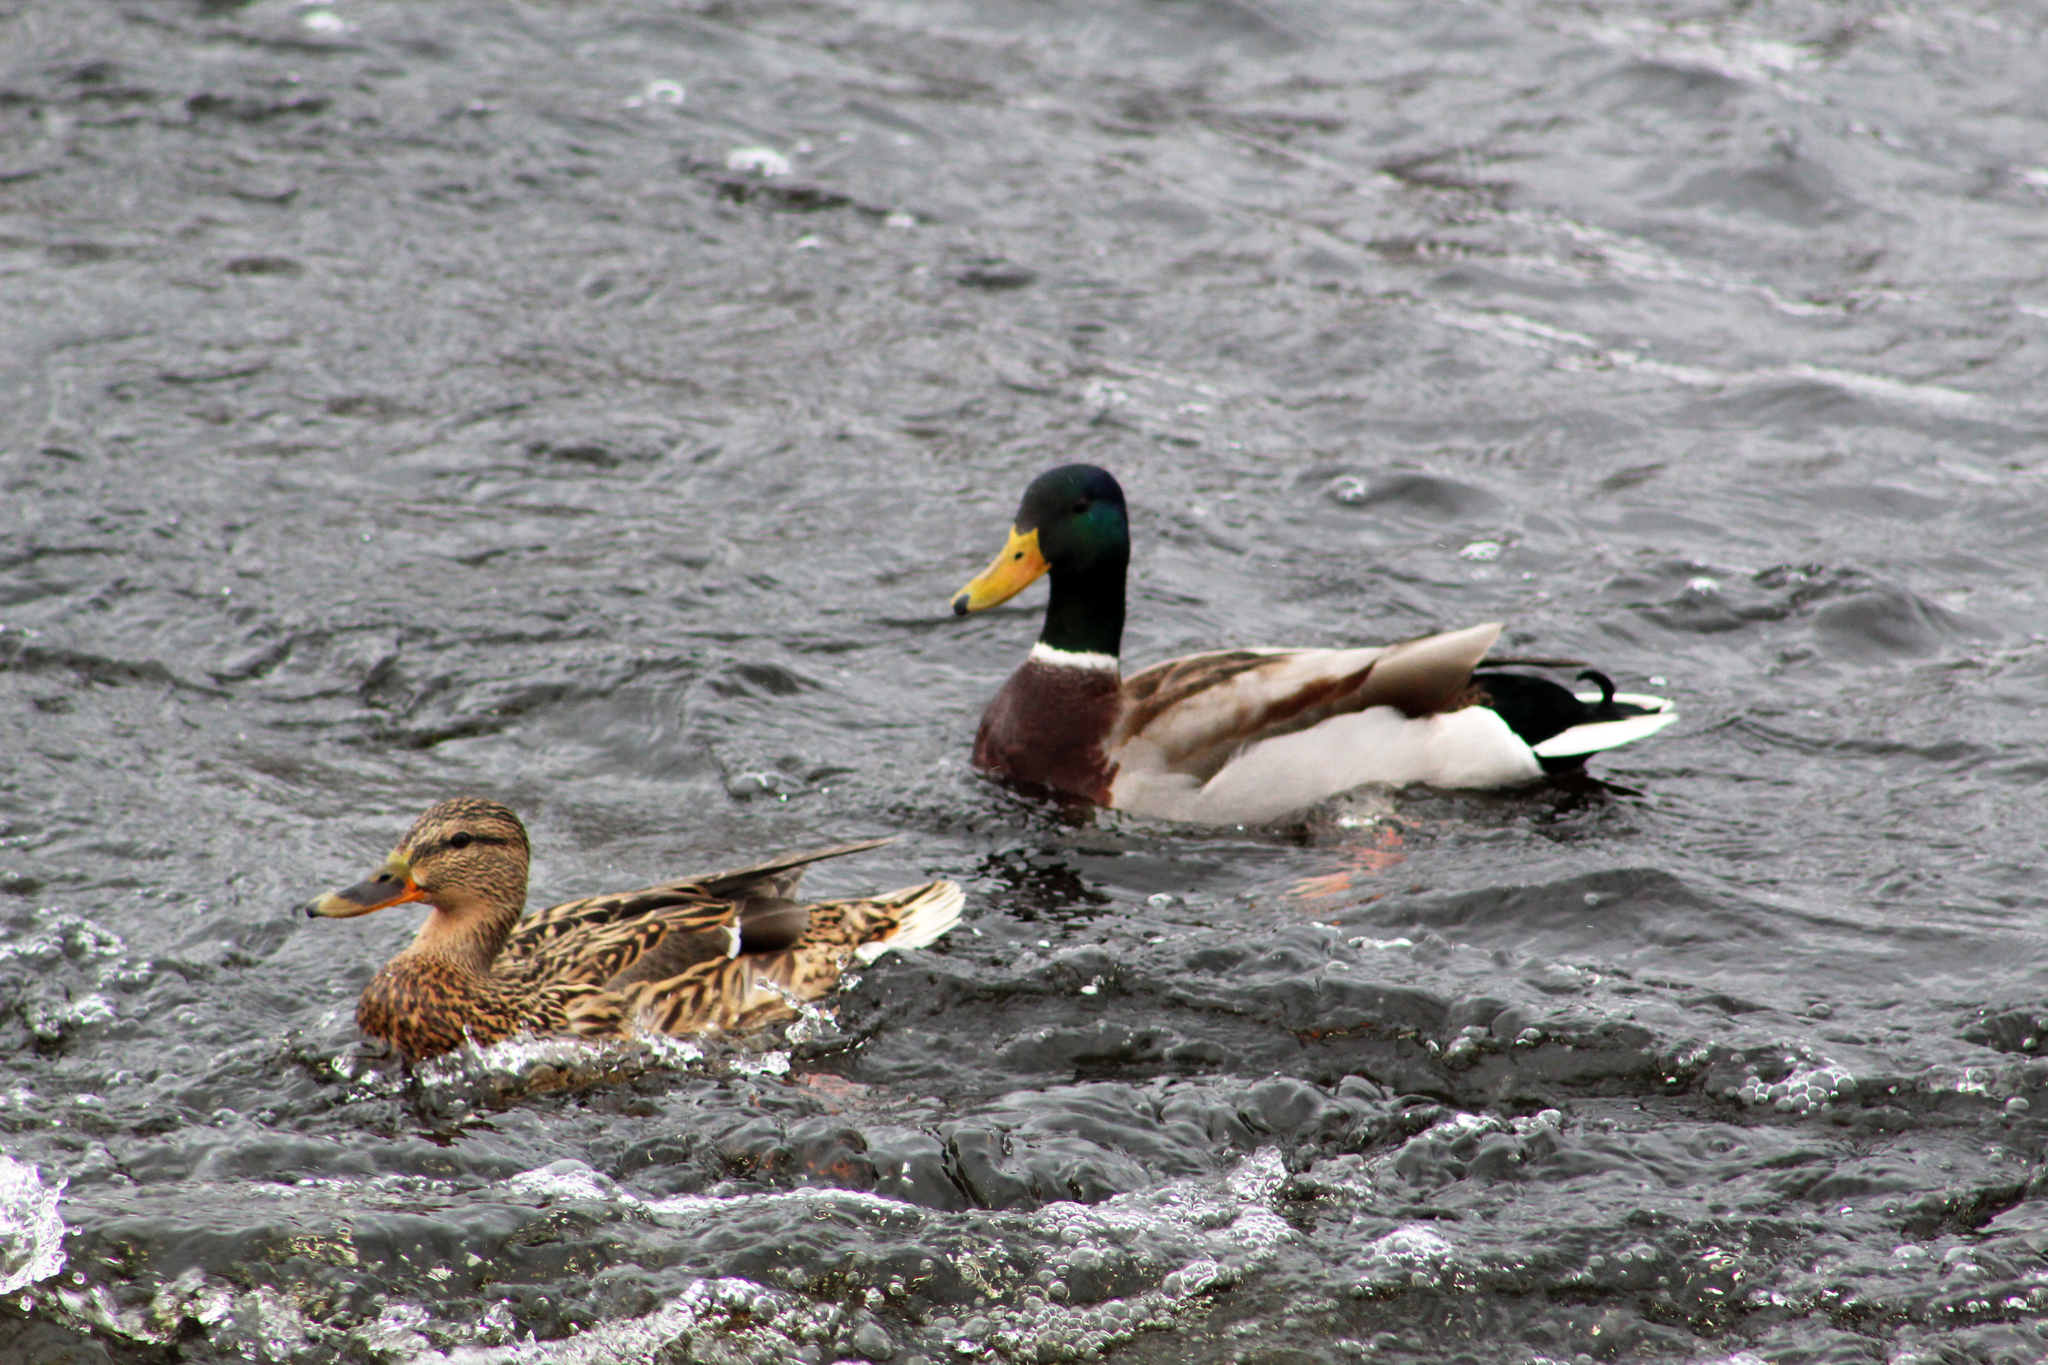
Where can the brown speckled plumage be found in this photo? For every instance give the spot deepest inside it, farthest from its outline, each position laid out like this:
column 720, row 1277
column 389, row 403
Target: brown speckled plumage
column 660, row 959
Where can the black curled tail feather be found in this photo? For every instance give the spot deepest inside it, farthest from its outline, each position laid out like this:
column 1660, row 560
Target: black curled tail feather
column 1604, row 709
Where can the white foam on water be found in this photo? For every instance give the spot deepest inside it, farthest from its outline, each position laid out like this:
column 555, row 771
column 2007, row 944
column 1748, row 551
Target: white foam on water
column 814, row 1020
column 1412, row 1256
column 1196, row 1235
column 762, row 161
column 1812, row 1084
column 694, row 1207
column 59, row 935
column 1258, row 1176
column 525, row 1063
column 644, row 1340
column 680, row 1053
column 195, row 1295
column 571, row 1179
column 1259, row 1231
column 761, row 1064
column 273, row 1324
column 31, row 1231
column 1539, row 335
column 397, row 1332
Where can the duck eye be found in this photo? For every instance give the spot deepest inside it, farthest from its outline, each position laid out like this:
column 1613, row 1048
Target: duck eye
column 459, row 841
column 1080, row 507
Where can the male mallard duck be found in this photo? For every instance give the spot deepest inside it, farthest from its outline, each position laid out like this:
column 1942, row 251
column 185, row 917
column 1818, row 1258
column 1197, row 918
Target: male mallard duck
column 1244, row 735
column 725, row 951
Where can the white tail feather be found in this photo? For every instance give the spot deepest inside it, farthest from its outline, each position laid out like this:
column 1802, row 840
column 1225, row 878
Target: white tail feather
column 1594, row 736
column 928, row 912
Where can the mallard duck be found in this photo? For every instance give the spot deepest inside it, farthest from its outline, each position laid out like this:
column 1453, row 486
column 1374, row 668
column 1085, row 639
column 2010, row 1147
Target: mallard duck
column 725, row 951
column 1245, row 735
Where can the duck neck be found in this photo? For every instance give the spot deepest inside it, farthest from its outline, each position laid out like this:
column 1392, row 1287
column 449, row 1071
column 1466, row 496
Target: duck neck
column 467, row 930
column 1085, row 615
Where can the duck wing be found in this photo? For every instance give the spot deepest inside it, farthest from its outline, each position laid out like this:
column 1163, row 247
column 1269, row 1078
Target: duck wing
column 760, row 987
column 691, row 919
column 1191, row 716
column 779, row 876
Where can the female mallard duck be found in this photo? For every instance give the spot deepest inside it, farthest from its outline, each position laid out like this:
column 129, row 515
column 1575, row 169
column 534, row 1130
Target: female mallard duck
column 725, row 951
column 1245, row 735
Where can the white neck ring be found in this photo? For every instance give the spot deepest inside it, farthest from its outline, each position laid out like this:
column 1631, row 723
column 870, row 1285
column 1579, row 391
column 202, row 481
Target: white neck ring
column 1043, row 653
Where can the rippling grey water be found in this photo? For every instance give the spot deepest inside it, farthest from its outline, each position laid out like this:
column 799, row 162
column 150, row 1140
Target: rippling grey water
column 594, row 405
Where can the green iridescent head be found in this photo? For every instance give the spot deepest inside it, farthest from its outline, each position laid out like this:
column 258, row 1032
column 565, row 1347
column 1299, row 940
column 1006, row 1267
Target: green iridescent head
column 1072, row 525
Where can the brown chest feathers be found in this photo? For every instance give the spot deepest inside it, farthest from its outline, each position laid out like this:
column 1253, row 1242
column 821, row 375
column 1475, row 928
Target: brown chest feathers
column 1047, row 728
column 424, row 1005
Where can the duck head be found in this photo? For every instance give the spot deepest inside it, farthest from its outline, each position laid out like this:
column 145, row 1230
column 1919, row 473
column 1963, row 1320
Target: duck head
column 464, row 856
column 1071, row 524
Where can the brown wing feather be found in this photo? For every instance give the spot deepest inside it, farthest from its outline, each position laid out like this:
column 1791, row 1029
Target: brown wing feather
column 766, row 879
column 1179, row 689
column 1150, row 691
column 725, row 993
column 594, row 939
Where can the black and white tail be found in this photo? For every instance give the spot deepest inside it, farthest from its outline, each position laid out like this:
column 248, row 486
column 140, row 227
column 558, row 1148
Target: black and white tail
column 1562, row 727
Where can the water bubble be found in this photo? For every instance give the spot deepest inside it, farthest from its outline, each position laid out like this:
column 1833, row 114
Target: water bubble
column 1411, row 1256
column 1197, row 1277
column 569, row 1179
column 762, row 161
column 766, row 1064
column 1806, row 1089
column 873, row 1343
column 748, row 785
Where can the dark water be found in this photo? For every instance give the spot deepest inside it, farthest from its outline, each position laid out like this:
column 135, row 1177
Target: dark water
column 405, row 399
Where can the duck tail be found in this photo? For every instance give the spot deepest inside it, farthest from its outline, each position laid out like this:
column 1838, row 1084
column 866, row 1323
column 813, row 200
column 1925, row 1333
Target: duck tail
column 1562, row 727
column 921, row 915
column 756, row 990
column 1645, row 717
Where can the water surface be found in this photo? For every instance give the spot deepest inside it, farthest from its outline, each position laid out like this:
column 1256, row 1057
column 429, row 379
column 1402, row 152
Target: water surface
column 595, row 405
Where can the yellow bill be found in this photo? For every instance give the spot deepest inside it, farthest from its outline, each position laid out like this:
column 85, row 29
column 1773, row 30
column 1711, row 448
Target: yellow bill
column 1015, row 569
